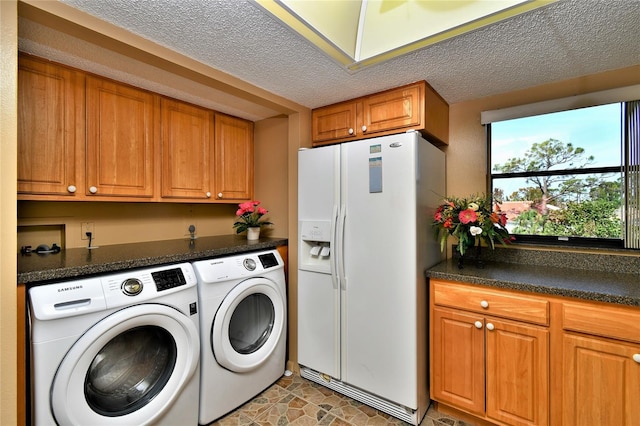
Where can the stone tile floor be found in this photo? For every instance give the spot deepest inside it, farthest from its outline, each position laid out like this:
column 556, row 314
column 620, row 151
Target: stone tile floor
column 294, row 400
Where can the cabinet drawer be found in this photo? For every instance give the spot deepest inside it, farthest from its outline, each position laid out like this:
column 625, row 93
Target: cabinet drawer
column 616, row 322
column 491, row 302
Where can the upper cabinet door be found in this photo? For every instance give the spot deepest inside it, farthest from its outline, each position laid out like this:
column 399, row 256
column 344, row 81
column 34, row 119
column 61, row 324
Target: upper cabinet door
column 393, row 109
column 187, row 150
column 121, row 127
column 233, row 158
column 332, row 122
column 50, row 128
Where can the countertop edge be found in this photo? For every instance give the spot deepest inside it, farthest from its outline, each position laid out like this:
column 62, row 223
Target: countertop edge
column 617, row 288
column 55, row 269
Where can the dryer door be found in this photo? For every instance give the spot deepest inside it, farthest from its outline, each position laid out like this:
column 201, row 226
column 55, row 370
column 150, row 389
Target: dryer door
column 248, row 325
column 127, row 369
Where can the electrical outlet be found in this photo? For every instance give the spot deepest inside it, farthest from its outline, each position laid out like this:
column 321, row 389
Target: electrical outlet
column 87, row 227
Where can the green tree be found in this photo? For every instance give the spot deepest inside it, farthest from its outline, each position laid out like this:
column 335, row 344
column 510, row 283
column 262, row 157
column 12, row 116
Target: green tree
column 546, row 156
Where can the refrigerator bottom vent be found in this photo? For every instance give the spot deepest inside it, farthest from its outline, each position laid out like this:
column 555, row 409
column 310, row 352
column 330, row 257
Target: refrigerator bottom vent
column 399, row 411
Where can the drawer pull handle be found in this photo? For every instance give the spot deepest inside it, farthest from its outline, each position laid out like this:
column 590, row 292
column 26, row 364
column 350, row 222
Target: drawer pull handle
column 350, row 131
column 71, row 188
column 636, row 358
column 484, row 304
column 478, row 324
column 364, row 128
column 93, row 189
column 490, row 326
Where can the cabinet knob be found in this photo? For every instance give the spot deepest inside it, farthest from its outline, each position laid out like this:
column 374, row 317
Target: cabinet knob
column 364, row 128
column 93, row 189
column 490, row 326
column 350, row 131
column 636, row 358
column 208, row 194
column 478, row 324
column 484, row 304
column 219, row 194
column 71, row 188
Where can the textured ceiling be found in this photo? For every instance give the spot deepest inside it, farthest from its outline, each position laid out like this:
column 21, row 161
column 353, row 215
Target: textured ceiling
column 566, row 39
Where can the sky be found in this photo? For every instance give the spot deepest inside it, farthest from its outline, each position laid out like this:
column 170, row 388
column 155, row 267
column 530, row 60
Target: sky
column 596, row 129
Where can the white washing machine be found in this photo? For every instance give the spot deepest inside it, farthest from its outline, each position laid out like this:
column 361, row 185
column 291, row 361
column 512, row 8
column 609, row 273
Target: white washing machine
column 119, row 349
column 243, row 322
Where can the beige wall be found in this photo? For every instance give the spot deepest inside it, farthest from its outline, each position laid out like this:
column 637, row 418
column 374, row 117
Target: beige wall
column 8, row 149
column 271, row 172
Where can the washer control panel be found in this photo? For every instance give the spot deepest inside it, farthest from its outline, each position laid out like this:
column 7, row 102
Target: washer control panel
column 168, row 278
column 236, row 267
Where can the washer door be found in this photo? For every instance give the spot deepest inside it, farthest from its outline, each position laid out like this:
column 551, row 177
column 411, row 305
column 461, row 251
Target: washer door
column 248, row 325
column 127, row 369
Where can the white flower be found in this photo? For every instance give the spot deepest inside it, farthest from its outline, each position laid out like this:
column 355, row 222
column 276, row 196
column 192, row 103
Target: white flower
column 475, row 230
column 473, row 206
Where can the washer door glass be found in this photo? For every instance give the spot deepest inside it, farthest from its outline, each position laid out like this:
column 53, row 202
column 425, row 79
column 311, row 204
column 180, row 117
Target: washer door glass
column 130, row 370
column 251, row 323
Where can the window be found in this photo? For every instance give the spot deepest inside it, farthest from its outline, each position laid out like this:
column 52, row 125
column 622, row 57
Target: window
column 569, row 177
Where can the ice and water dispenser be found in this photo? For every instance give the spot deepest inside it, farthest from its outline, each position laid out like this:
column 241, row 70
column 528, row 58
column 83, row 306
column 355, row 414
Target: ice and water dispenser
column 315, row 246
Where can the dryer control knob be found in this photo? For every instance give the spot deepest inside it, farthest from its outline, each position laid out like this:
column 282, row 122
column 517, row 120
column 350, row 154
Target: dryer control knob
column 249, row 264
column 132, row 286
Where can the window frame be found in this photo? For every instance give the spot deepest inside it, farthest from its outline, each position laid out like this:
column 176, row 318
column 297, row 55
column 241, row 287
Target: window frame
column 555, row 240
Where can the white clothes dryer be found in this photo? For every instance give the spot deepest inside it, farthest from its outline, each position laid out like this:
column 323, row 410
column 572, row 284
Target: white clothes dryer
column 119, row 349
column 243, row 322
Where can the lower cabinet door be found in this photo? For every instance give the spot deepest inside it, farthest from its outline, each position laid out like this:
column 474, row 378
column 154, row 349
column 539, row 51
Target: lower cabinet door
column 517, row 357
column 458, row 359
column 601, row 382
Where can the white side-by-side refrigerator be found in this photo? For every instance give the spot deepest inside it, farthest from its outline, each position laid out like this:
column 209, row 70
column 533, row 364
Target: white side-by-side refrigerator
column 364, row 235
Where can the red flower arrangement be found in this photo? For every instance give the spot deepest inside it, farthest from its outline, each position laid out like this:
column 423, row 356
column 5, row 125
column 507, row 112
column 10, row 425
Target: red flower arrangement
column 249, row 216
column 470, row 220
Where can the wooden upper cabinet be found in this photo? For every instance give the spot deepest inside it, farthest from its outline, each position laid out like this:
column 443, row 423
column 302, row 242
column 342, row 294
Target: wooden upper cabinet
column 415, row 106
column 394, row 109
column 187, row 150
column 334, row 122
column 233, row 158
column 122, row 126
column 84, row 137
column 50, row 128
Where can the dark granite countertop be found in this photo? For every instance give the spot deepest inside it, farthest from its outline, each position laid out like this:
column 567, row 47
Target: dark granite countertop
column 589, row 278
column 77, row 262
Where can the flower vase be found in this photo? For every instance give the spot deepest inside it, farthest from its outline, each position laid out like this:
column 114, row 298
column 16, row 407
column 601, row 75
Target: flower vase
column 479, row 262
column 253, row 233
column 461, row 257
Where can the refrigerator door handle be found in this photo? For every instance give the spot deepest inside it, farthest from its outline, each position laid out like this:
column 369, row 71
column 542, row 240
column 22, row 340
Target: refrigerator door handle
column 340, row 245
column 334, row 247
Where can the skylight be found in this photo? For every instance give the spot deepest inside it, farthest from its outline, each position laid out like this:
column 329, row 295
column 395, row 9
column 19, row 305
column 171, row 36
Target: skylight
column 359, row 33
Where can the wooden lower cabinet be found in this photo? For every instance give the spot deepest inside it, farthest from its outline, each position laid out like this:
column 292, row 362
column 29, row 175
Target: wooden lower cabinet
column 601, row 382
column 512, row 358
column 493, row 368
column 600, row 364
